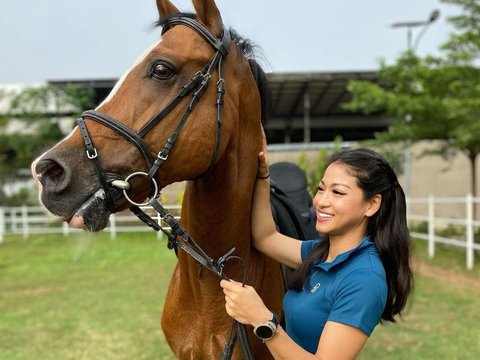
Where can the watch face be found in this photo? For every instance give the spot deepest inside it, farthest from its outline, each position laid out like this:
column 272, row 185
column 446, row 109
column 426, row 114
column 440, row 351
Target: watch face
column 264, row 332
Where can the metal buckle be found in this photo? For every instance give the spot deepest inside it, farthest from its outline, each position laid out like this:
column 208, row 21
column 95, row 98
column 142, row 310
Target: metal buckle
column 155, row 188
column 91, row 157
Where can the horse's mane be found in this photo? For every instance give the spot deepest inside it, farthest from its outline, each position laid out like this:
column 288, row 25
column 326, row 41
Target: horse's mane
column 252, row 53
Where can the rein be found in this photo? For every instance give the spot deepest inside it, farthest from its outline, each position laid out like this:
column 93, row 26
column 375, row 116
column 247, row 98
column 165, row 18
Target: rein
column 196, row 88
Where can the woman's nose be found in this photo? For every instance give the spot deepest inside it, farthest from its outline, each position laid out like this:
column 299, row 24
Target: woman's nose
column 321, row 199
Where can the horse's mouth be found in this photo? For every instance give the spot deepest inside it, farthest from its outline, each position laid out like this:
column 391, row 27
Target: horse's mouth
column 92, row 215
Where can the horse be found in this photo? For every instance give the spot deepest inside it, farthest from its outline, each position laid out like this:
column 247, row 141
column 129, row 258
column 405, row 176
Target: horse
column 208, row 136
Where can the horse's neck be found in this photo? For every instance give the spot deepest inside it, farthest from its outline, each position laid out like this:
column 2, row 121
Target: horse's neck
column 221, row 204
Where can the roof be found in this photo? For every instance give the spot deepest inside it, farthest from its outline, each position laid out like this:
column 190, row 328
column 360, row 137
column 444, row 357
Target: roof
column 326, row 92
column 315, row 101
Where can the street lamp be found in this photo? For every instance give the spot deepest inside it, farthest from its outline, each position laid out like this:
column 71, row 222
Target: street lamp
column 434, row 15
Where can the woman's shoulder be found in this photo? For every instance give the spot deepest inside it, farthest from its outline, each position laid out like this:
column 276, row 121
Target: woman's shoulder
column 308, row 246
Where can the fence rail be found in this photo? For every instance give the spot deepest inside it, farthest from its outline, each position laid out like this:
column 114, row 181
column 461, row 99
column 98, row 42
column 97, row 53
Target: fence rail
column 435, row 224
column 25, row 221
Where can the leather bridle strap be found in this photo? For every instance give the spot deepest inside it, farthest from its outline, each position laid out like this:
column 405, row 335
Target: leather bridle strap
column 221, row 46
column 92, row 154
column 238, row 330
column 123, row 130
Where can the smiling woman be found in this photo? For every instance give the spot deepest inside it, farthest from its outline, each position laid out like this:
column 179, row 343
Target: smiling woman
column 344, row 284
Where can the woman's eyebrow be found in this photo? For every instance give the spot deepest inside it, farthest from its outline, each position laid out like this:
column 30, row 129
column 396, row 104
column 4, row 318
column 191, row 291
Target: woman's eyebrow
column 336, row 184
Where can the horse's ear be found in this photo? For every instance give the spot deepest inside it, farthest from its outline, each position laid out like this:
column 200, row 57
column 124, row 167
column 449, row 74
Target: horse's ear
column 209, row 15
column 165, row 7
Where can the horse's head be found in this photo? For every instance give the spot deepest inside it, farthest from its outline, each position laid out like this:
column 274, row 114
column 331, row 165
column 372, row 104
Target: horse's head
column 182, row 100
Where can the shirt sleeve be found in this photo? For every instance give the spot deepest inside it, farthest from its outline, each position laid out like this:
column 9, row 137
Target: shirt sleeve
column 307, row 247
column 360, row 300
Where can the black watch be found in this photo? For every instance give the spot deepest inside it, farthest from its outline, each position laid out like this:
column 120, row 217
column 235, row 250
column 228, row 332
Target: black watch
column 268, row 329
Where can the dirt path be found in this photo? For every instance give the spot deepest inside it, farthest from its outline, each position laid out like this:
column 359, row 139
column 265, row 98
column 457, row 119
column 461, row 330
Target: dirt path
column 445, row 275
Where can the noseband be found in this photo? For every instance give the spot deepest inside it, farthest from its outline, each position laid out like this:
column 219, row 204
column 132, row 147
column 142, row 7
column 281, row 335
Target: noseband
column 196, row 87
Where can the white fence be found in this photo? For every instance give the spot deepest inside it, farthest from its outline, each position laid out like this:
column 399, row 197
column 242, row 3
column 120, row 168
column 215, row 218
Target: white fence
column 464, row 219
column 27, row 220
column 35, row 220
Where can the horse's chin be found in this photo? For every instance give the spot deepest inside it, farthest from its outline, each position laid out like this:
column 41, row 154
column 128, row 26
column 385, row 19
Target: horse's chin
column 92, row 215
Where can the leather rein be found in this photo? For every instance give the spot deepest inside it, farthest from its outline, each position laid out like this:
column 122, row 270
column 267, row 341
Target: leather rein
column 178, row 237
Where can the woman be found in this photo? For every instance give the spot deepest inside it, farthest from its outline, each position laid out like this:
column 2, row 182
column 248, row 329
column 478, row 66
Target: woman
column 344, row 284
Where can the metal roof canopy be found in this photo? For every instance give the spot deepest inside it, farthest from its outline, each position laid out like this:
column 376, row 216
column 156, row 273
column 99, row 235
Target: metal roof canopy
column 308, row 107
column 304, row 107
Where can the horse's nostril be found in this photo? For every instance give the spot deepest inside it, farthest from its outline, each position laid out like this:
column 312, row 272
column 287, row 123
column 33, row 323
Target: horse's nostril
column 55, row 171
column 49, row 171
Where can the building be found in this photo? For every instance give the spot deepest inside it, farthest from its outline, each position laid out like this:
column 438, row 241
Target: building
column 304, row 108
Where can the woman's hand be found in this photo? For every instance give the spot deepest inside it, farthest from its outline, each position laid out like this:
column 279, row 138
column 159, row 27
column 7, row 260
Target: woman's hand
column 263, row 171
column 244, row 304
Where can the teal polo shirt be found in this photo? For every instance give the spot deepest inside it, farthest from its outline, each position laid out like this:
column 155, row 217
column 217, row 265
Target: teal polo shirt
column 352, row 290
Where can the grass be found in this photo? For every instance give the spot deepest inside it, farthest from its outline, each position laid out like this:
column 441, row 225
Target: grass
column 83, row 297
column 88, row 297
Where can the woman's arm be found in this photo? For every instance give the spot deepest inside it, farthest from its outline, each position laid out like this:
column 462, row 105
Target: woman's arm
column 266, row 238
column 338, row 341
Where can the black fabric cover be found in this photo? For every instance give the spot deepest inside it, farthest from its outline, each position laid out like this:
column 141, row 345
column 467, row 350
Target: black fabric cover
column 291, row 203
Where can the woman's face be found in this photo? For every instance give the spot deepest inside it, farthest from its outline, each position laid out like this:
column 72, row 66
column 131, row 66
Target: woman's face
column 340, row 205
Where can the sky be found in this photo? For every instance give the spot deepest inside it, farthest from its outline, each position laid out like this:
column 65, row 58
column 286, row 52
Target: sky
column 99, row 39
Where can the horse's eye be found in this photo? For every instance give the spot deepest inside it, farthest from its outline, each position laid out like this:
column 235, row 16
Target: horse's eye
column 161, row 71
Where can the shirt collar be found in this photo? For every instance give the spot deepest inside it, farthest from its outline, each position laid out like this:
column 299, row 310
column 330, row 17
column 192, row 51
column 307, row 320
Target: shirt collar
column 326, row 266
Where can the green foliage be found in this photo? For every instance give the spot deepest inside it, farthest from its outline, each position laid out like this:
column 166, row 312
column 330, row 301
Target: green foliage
column 36, row 111
column 432, row 98
column 25, row 196
column 315, row 168
column 38, row 103
column 463, row 46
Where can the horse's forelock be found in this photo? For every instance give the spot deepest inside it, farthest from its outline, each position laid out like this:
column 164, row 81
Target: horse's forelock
column 250, row 51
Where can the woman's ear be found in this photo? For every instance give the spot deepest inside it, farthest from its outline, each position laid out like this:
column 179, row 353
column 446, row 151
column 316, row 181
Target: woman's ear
column 373, row 205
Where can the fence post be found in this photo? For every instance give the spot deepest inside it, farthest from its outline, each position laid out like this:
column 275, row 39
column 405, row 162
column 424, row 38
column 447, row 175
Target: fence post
column 65, row 229
column 159, row 233
column 25, row 229
column 113, row 227
column 13, row 220
column 469, row 231
column 431, row 226
column 3, row 226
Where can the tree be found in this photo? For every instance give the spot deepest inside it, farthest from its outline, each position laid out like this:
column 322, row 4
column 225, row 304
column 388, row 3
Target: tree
column 441, row 96
column 36, row 113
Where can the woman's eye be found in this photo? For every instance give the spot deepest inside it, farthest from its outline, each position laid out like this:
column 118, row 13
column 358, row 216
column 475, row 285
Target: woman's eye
column 161, row 71
column 319, row 189
column 336, row 192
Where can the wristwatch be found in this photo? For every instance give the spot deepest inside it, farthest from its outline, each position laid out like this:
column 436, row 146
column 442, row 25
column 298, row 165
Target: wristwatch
column 267, row 330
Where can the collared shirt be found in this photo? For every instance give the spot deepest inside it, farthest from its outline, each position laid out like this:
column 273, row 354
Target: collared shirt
column 352, row 290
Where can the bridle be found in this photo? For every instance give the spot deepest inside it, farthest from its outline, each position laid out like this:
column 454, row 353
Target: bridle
column 196, row 87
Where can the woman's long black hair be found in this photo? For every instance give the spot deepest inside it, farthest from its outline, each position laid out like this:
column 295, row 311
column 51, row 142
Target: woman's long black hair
column 387, row 228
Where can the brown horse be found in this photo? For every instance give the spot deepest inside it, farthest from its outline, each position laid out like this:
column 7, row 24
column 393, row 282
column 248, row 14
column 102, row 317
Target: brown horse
column 216, row 151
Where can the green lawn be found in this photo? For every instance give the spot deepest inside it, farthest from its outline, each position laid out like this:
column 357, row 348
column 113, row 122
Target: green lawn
column 88, row 297
column 83, row 297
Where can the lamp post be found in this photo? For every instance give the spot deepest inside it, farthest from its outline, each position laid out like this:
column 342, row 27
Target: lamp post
column 434, row 15
column 409, row 25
